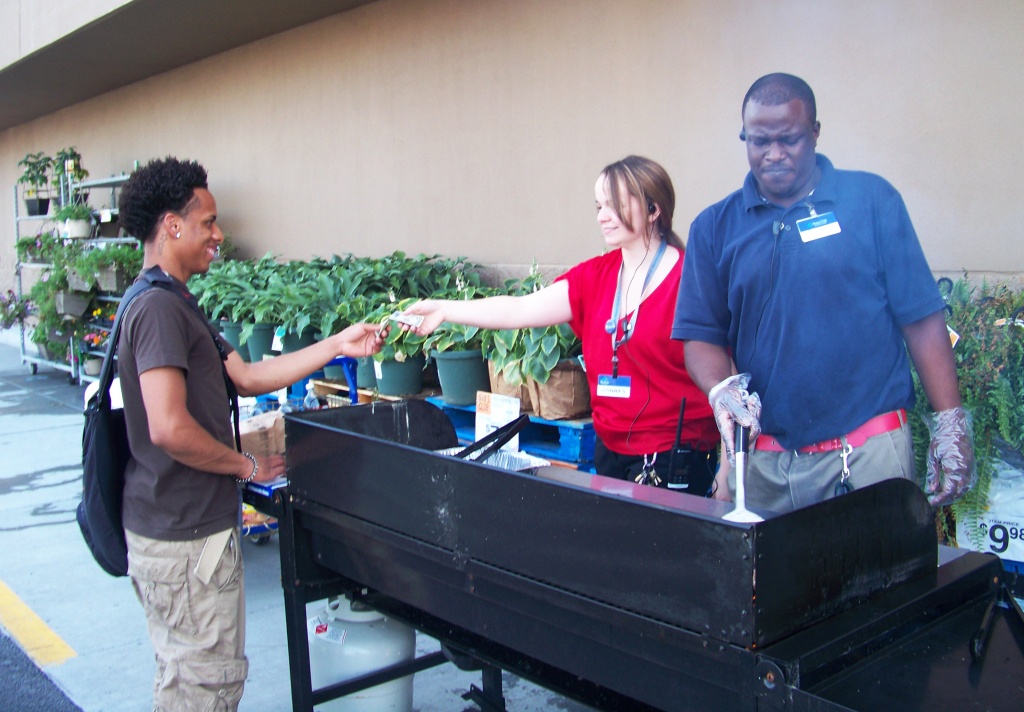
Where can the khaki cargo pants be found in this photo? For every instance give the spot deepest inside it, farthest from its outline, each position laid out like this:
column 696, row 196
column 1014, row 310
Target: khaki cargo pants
column 197, row 629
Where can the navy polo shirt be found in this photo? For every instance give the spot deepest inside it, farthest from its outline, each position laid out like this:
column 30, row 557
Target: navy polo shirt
column 816, row 323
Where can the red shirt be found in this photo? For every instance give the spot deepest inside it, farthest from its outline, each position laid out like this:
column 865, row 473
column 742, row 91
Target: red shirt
column 646, row 421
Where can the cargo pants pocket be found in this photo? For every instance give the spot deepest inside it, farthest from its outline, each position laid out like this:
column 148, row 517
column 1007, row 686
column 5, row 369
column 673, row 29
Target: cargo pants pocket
column 206, row 683
column 161, row 585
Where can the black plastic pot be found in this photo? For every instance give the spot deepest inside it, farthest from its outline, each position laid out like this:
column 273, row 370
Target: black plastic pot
column 37, row 206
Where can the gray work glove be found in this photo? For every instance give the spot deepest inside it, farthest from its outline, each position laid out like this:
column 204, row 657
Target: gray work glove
column 951, row 467
column 733, row 404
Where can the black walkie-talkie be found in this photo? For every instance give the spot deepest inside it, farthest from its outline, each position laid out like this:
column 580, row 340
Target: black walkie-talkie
column 680, row 458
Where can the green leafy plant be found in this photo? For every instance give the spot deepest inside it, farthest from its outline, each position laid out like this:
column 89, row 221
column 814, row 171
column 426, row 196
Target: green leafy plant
column 327, row 294
column 67, row 169
column 42, row 248
column 288, row 300
column 344, row 312
column 990, row 365
column 36, row 172
column 125, row 257
column 50, row 329
column 454, row 337
column 227, row 291
column 544, row 348
column 398, row 344
column 73, row 211
column 519, row 354
column 459, row 337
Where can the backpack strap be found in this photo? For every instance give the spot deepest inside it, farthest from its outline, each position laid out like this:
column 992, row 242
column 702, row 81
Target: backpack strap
column 107, row 371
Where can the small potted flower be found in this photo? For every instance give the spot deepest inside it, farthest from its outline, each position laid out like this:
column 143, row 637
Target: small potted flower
column 92, row 334
column 13, row 309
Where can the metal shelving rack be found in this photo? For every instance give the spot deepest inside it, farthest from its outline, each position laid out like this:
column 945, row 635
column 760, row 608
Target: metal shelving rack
column 75, row 373
column 32, row 360
column 104, row 215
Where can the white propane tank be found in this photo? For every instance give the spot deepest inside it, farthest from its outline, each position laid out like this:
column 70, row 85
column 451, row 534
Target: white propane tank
column 347, row 640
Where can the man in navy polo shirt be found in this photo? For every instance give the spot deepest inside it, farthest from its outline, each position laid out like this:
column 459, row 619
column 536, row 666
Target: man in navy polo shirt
column 805, row 290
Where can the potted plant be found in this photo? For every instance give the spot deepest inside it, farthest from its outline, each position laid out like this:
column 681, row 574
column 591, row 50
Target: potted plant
column 244, row 288
column 39, row 249
column 226, row 293
column 91, row 336
column 461, row 367
column 51, row 332
column 35, row 176
column 458, row 352
column 543, row 360
column 52, row 337
column 554, row 377
column 76, row 219
column 13, row 309
column 348, row 310
column 400, row 362
column 35, row 257
column 989, row 353
column 67, row 172
column 112, row 267
column 298, row 292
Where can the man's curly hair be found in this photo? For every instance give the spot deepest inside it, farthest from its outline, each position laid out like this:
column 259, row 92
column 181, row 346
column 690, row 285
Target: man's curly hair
column 161, row 186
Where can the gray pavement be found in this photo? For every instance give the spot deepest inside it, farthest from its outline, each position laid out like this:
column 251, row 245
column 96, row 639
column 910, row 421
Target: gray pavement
column 46, row 567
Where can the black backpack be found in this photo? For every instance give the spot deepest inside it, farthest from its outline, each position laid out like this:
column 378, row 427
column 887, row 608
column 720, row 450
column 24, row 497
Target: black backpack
column 105, row 450
column 105, row 455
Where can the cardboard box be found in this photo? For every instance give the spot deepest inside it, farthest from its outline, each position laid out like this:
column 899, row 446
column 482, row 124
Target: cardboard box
column 263, row 435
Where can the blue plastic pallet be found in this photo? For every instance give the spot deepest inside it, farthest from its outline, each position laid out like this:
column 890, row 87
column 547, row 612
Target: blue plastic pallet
column 569, row 441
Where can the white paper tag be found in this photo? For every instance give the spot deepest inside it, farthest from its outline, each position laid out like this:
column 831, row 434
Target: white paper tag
column 276, row 344
column 494, row 410
column 1003, row 535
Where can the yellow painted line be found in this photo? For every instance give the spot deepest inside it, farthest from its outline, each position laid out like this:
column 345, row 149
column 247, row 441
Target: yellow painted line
column 35, row 637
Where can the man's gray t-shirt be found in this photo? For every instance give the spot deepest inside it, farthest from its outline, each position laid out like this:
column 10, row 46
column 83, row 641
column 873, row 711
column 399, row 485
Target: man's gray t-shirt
column 163, row 498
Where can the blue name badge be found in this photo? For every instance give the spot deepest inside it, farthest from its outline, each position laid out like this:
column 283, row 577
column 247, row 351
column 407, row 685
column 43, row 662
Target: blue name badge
column 818, row 226
column 613, row 387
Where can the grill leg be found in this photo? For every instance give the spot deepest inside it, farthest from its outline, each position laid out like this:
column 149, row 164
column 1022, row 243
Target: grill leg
column 490, row 698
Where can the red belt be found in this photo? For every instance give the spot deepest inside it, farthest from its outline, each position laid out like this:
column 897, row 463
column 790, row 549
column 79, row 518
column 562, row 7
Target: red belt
column 885, row 423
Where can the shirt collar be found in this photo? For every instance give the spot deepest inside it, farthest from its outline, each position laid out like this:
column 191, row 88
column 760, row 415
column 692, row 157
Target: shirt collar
column 824, row 192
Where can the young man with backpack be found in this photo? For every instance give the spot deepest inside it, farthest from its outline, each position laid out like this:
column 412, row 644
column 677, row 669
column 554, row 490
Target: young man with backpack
column 181, row 504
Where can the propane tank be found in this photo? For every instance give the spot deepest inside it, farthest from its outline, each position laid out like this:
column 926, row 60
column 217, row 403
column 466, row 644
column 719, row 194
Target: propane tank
column 349, row 639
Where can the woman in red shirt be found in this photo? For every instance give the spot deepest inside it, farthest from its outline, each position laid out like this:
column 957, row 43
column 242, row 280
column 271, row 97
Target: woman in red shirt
column 620, row 304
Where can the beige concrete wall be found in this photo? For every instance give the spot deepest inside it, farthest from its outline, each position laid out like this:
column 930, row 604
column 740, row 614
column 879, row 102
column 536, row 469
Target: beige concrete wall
column 477, row 127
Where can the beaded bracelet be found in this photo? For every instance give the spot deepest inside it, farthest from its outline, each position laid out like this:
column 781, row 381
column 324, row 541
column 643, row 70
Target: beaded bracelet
column 255, row 469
